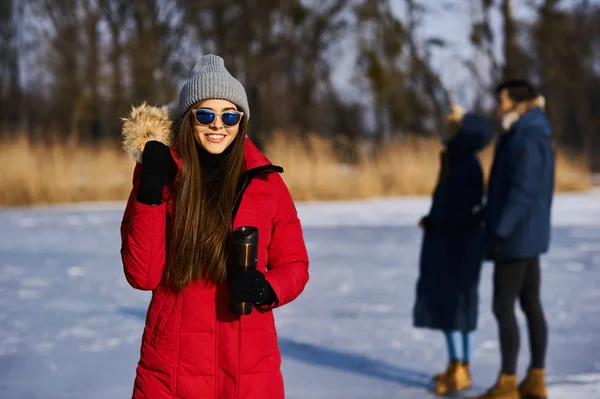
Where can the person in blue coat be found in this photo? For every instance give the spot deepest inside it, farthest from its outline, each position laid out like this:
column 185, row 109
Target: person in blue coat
column 452, row 249
column 517, row 225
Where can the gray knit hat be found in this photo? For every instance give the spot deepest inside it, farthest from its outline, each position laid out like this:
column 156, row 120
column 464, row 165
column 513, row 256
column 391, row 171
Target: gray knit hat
column 211, row 80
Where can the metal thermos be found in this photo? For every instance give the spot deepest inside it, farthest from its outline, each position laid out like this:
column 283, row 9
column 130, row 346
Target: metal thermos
column 243, row 256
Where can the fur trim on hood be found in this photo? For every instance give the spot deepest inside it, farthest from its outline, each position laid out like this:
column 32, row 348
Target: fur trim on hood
column 539, row 101
column 521, row 109
column 145, row 123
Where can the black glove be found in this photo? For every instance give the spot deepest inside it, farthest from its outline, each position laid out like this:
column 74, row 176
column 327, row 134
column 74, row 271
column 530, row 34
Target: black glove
column 156, row 161
column 252, row 287
column 495, row 248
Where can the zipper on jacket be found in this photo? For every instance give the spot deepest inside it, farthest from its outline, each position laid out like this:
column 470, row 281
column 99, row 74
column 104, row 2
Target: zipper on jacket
column 245, row 180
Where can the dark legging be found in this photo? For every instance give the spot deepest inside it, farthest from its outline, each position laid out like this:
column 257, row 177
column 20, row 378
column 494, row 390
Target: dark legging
column 512, row 279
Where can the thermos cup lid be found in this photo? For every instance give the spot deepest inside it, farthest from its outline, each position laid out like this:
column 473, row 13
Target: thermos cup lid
column 245, row 235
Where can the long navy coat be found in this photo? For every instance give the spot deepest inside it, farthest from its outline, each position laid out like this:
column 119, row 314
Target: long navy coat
column 453, row 243
column 521, row 188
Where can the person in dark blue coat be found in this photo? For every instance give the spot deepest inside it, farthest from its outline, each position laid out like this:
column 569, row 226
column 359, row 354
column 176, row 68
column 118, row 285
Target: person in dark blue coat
column 517, row 224
column 452, row 248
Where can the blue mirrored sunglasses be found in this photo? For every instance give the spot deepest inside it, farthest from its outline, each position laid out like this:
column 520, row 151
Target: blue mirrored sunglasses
column 207, row 116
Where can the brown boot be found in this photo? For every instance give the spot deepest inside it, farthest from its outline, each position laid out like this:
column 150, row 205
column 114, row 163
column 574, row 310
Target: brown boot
column 534, row 385
column 505, row 388
column 456, row 379
column 449, row 368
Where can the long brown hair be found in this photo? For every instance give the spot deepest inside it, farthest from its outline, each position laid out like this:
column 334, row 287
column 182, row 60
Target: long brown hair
column 203, row 212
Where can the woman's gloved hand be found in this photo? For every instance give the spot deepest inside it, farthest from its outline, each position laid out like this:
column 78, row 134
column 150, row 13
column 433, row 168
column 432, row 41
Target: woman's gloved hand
column 156, row 162
column 252, row 287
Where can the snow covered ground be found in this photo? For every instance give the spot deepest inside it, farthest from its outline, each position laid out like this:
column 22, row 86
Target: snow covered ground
column 70, row 325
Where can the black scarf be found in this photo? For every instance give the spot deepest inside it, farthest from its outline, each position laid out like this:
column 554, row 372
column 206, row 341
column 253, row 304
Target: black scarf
column 213, row 165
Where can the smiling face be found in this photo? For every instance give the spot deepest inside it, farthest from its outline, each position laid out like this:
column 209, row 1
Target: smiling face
column 216, row 136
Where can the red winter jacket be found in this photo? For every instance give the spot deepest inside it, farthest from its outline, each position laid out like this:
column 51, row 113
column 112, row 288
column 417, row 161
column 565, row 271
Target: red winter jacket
column 192, row 347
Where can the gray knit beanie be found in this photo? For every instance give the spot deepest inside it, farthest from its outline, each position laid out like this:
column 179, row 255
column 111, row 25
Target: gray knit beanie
column 211, row 80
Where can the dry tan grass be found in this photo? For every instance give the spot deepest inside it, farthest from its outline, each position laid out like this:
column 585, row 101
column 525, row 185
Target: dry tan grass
column 408, row 168
column 66, row 172
column 34, row 173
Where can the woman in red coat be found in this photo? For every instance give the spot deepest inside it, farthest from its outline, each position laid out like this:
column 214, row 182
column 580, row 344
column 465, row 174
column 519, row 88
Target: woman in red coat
column 194, row 183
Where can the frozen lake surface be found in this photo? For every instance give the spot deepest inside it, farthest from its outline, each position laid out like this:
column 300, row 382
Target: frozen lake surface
column 70, row 326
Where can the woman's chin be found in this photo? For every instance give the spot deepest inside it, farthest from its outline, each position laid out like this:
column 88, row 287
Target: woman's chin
column 214, row 148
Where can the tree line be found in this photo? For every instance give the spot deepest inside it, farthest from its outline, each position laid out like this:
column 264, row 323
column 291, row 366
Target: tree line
column 73, row 67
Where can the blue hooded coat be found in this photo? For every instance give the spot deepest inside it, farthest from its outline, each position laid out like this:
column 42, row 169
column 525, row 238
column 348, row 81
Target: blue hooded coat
column 453, row 244
column 521, row 188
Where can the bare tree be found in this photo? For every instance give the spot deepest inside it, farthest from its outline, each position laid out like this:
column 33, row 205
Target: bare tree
column 10, row 89
column 510, row 68
column 60, row 30
column 116, row 13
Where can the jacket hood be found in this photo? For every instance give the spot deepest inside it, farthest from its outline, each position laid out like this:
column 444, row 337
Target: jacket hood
column 146, row 122
column 474, row 135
